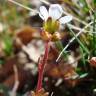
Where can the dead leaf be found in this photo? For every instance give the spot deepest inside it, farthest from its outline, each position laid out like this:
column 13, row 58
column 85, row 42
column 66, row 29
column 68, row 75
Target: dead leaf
column 26, row 34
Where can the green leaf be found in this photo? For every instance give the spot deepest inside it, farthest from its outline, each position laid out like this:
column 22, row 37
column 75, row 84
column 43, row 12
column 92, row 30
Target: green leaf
column 60, row 48
column 94, row 1
column 83, row 75
column 81, row 44
column 1, row 61
column 7, row 45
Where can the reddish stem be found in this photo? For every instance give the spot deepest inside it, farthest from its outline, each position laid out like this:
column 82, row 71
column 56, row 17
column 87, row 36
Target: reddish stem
column 41, row 67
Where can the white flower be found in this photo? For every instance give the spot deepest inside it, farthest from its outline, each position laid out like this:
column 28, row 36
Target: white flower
column 55, row 12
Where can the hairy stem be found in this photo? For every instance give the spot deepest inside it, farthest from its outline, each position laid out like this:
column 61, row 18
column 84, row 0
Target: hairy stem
column 42, row 63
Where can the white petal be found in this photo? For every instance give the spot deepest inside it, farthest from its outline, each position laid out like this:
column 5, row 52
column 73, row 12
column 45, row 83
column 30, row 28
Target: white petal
column 65, row 19
column 43, row 13
column 55, row 11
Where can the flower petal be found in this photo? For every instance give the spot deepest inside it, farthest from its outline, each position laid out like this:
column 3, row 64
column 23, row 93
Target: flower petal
column 55, row 11
column 43, row 13
column 65, row 19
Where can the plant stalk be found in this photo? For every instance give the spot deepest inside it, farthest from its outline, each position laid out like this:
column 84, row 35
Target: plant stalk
column 42, row 62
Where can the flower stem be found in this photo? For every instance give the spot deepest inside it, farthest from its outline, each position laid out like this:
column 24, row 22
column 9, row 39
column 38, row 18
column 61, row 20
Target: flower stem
column 42, row 63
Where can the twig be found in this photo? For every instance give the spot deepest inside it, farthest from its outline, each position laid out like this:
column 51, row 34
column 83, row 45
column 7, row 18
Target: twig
column 52, row 94
column 16, row 84
column 45, row 1
column 76, row 28
column 21, row 5
column 16, row 79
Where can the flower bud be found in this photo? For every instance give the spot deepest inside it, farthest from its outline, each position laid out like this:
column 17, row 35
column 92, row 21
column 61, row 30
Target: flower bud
column 46, row 36
column 56, row 36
